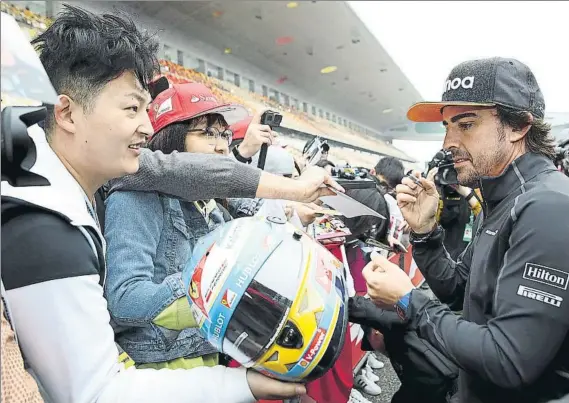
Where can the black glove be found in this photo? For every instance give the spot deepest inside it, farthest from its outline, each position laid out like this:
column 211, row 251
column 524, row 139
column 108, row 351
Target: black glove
column 365, row 313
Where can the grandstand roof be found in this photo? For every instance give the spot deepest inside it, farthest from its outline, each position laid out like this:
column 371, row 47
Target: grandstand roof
column 317, row 34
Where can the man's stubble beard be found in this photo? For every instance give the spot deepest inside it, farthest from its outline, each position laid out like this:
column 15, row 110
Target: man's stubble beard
column 484, row 164
column 468, row 179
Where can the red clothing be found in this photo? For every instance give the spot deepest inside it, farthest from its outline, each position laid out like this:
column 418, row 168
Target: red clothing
column 336, row 385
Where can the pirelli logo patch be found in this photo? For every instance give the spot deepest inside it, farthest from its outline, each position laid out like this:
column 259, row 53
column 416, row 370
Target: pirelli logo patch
column 546, row 275
column 540, row 296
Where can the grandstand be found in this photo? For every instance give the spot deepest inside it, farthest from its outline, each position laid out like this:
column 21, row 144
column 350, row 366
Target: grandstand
column 313, row 104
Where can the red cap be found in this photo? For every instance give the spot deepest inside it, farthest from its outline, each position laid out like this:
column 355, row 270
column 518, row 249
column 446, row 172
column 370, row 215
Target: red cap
column 239, row 129
column 187, row 101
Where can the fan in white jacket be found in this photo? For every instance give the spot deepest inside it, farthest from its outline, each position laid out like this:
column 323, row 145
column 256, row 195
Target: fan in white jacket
column 53, row 253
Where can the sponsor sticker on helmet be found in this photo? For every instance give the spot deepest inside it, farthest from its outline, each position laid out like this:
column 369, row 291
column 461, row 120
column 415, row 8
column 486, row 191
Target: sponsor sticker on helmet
column 323, row 275
column 315, row 346
column 199, row 316
column 194, row 289
column 215, row 285
column 248, row 271
column 228, row 298
column 218, row 326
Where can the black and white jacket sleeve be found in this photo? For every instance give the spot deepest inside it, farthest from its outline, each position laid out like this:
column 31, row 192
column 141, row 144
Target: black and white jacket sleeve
column 61, row 319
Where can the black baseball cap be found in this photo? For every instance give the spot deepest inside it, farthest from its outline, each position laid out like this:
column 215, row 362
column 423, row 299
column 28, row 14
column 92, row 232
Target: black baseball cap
column 485, row 82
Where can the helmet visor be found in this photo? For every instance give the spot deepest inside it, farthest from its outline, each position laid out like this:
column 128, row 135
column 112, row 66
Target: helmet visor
column 255, row 324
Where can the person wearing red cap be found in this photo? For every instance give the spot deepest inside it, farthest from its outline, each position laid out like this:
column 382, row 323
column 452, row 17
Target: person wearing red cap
column 100, row 66
column 150, row 237
column 249, row 135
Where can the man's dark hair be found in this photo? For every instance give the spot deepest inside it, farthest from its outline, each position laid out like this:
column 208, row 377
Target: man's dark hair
column 538, row 139
column 391, row 169
column 81, row 52
column 325, row 163
column 173, row 137
column 368, row 226
column 325, row 147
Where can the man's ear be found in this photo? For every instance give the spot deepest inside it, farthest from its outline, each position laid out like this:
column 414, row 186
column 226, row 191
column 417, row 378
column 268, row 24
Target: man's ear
column 518, row 134
column 63, row 113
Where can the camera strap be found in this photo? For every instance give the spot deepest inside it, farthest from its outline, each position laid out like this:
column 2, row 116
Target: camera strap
column 207, row 209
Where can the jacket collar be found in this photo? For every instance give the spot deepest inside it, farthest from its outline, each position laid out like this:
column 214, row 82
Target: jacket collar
column 64, row 194
column 521, row 170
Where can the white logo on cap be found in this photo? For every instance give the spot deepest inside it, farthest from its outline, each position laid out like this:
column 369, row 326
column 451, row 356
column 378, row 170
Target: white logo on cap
column 166, row 106
column 455, row 83
column 203, row 98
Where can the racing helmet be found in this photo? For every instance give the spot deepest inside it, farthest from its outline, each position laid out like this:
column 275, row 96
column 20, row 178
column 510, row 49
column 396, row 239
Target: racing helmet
column 270, row 297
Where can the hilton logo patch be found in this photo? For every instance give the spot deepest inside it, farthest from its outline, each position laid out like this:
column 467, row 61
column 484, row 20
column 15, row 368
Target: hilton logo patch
column 540, row 296
column 546, row 275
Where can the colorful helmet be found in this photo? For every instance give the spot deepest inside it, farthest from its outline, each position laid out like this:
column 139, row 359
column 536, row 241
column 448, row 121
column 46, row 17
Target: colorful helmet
column 270, row 297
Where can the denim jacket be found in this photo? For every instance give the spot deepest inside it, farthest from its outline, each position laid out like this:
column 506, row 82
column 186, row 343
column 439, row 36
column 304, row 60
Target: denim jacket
column 149, row 239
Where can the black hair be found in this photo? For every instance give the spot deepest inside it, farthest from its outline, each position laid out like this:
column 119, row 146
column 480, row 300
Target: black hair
column 391, row 169
column 369, row 226
column 538, row 139
column 325, row 147
column 81, row 52
column 173, row 137
column 325, row 163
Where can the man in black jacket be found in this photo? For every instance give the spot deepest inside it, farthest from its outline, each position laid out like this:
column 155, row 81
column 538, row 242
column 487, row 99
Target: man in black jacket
column 455, row 215
column 511, row 342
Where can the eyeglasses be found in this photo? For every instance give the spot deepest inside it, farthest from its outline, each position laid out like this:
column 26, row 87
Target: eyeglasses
column 214, row 133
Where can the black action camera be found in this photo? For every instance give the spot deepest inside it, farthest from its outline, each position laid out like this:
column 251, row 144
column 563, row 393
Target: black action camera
column 18, row 149
column 446, row 174
column 272, row 119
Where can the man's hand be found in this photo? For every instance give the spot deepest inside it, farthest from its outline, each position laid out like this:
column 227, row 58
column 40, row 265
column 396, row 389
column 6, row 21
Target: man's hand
column 307, row 213
column 256, row 135
column 431, row 174
column 386, row 282
column 418, row 204
column 307, row 188
column 405, row 227
column 264, row 388
column 311, row 185
column 394, row 243
column 288, row 210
